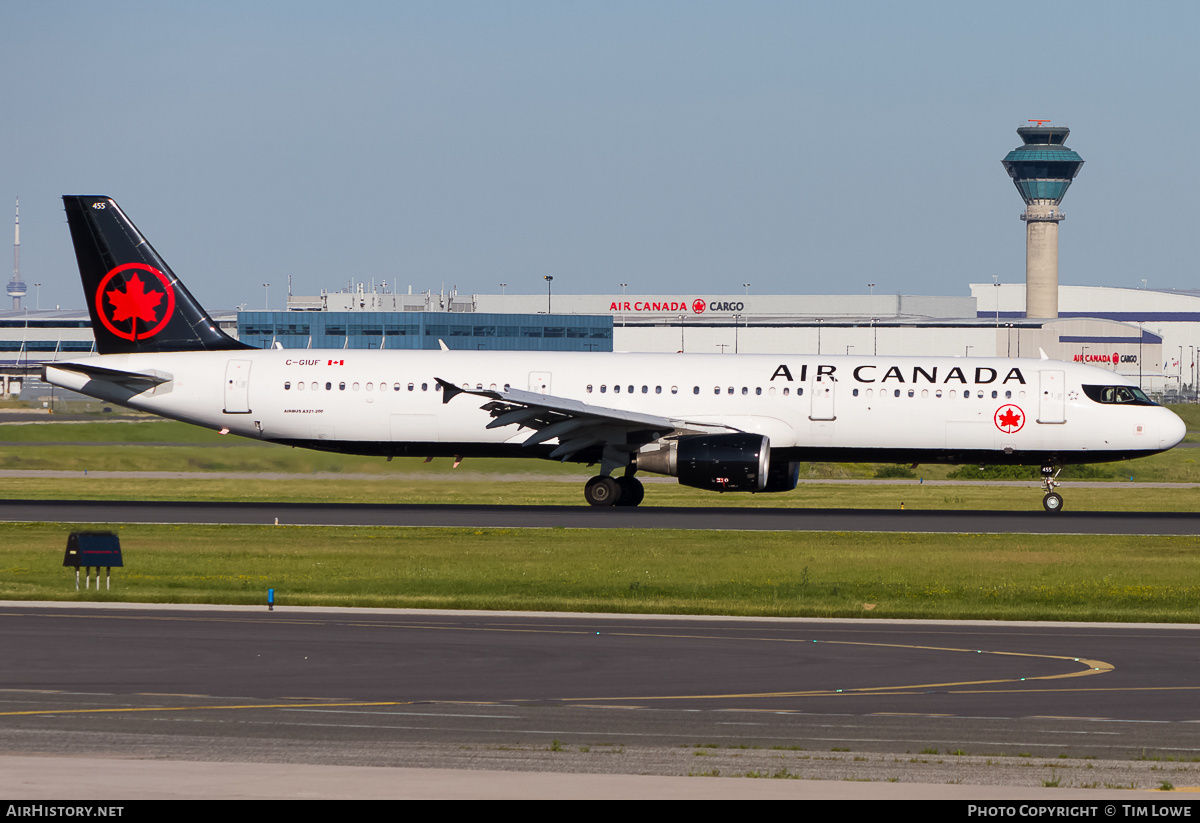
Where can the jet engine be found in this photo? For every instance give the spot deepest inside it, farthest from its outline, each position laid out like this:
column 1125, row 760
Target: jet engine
column 716, row 462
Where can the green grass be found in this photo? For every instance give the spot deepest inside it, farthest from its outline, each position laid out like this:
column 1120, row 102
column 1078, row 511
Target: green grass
column 1008, row 577
column 124, row 446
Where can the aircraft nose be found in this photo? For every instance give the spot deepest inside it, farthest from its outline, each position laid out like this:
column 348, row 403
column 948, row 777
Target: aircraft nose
column 1171, row 430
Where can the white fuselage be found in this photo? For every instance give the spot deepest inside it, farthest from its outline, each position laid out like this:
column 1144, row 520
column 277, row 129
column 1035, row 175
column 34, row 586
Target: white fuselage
column 343, row 400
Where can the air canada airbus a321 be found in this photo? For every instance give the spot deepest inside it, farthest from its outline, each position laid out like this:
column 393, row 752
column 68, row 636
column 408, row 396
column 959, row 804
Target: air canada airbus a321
column 726, row 423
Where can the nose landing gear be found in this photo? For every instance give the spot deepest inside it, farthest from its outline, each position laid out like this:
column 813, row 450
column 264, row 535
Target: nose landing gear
column 1053, row 501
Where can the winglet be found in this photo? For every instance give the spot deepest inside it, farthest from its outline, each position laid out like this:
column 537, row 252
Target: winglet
column 449, row 390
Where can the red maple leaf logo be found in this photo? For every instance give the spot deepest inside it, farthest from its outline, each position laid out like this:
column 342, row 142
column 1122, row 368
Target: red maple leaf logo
column 698, row 306
column 1010, row 419
column 135, row 302
column 129, row 303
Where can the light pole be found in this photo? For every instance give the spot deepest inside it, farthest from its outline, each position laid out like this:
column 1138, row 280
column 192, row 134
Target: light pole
column 37, row 296
column 549, row 278
column 503, row 286
column 266, row 296
column 746, row 286
column 623, row 287
column 996, row 291
column 871, row 286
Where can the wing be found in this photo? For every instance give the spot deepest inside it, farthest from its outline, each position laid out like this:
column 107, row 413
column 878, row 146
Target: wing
column 577, row 425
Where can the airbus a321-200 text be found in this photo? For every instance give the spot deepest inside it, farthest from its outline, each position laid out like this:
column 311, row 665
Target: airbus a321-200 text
column 726, row 423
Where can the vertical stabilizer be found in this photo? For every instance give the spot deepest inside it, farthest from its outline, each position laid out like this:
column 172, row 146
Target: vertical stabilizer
column 136, row 302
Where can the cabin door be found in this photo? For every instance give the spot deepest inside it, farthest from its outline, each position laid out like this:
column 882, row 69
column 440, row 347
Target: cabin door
column 1052, row 405
column 237, row 387
column 822, row 389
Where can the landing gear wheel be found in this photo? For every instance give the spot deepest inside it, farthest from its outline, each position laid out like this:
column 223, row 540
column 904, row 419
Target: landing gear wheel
column 1052, row 502
column 632, row 491
column 602, row 491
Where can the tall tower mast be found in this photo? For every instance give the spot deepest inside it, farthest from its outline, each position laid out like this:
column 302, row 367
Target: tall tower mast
column 16, row 288
column 1042, row 171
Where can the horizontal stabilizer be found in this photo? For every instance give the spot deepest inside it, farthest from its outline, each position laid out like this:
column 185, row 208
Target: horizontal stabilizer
column 121, row 378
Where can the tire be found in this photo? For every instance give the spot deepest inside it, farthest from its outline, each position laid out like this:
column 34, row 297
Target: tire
column 1052, row 502
column 632, row 491
column 602, row 491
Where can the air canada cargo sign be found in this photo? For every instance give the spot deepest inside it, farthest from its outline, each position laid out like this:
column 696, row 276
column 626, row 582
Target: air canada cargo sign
column 696, row 305
column 1111, row 359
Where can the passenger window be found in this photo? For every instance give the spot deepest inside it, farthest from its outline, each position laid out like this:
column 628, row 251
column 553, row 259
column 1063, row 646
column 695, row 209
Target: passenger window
column 287, row 386
column 341, row 386
column 603, row 388
column 589, row 388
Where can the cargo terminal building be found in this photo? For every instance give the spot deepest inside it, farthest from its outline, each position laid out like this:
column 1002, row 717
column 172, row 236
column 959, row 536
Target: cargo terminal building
column 1146, row 335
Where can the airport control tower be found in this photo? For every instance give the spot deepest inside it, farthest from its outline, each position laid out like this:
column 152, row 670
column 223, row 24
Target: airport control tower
column 1042, row 171
column 16, row 286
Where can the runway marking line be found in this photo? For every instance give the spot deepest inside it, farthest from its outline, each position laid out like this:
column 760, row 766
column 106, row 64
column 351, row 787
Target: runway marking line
column 1093, row 667
column 210, row 708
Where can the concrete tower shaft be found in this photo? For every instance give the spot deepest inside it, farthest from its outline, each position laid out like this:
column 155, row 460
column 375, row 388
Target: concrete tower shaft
column 16, row 287
column 1042, row 171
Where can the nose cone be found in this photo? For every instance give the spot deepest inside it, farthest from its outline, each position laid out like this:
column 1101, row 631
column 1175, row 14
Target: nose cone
column 1171, row 430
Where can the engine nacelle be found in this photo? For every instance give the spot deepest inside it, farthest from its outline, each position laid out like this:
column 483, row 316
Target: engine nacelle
column 782, row 477
column 716, row 462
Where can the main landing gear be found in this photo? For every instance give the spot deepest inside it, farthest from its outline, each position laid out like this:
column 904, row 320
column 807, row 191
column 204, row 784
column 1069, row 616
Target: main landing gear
column 602, row 490
column 1053, row 501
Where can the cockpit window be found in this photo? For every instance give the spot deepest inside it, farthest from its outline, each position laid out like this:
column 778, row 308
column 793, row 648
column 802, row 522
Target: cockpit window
column 1123, row 395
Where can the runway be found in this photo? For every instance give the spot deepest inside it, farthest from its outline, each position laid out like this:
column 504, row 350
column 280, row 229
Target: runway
column 587, row 517
column 403, row 688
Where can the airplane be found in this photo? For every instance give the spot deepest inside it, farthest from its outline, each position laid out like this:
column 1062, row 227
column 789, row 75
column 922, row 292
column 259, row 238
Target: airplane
column 725, row 423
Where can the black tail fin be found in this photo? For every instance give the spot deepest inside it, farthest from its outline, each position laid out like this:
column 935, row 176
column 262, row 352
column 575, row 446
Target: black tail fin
column 136, row 302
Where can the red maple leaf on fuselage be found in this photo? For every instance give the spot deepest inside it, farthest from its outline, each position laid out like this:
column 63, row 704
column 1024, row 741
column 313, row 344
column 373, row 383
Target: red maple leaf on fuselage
column 1010, row 418
column 135, row 302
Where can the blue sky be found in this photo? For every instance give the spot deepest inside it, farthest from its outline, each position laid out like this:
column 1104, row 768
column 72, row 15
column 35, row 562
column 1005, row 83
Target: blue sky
column 680, row 147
